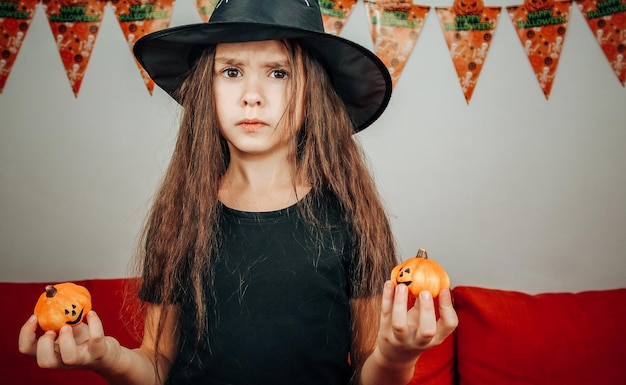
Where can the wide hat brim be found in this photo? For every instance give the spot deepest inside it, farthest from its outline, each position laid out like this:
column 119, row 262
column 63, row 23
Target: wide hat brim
column 359, row 77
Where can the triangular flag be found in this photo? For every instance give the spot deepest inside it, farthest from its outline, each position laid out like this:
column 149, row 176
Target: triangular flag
column 395, row 27
column 607, row 20
column 15, row 17
column 205, row 8
column 468, row 28
column 541, row 27
column 138, row 18
column 75, row 25
column 335, row 14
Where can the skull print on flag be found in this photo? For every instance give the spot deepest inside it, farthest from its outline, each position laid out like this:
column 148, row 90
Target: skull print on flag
column 607, row 21
column 335, row 14
column 140, row 17
column 468, row 27
column 75, row 25
column 395, row 27
column 541, row 26
column 15, row 18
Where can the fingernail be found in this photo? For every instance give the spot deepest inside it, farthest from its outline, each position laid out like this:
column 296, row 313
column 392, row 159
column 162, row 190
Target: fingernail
column 32, row 318
column 65, row 329
column 425, row 295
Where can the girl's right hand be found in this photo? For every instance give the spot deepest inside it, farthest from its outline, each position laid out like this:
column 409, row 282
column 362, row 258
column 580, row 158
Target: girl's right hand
column 81, row 347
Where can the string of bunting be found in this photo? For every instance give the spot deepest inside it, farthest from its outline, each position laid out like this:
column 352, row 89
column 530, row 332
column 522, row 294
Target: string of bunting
column 395, row 25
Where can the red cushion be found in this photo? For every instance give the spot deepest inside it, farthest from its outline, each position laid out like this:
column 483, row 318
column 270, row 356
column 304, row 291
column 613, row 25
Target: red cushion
column 18, row 301
column 512, row 338
column 437, row 365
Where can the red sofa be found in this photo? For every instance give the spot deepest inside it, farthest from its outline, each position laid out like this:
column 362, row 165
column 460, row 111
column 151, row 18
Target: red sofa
column 504, row 337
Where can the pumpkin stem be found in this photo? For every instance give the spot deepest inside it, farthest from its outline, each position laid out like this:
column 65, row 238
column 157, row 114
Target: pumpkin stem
column 421, row 253
column 51, row 291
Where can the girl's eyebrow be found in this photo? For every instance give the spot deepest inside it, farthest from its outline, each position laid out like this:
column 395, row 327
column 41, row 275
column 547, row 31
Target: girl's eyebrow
column 277, row 64
column 227, row 60
column 231, row 61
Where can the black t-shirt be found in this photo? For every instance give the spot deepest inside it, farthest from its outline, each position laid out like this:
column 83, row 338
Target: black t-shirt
column 280, row 313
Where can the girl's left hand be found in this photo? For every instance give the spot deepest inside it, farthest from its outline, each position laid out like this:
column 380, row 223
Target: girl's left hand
column 405, row 334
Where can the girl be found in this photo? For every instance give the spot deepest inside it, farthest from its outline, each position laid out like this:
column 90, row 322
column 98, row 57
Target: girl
column 267, row 249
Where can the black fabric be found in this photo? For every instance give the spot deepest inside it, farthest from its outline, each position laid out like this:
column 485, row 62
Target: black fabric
column 281, row 312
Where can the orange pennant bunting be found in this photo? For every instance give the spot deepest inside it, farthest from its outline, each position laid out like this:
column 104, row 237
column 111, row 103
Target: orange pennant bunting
column 607, row 20
column 395, row 27
column 138, row 18
column 15, row 17
column 75, row 25
column 335, row 14
column 205, row 8
column 468, row 27
column 541, row 26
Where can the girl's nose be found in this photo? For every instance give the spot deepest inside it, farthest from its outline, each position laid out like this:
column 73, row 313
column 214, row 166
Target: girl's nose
column 253, row 92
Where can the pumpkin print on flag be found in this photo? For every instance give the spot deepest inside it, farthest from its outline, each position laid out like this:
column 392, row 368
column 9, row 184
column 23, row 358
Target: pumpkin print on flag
column 468, row 27
column 607, row 21
column 335, row 14
column 141, row 17
column 205, row 8
column 395, row 27
column 541, row 26
column 15, row 17
column 75, row 25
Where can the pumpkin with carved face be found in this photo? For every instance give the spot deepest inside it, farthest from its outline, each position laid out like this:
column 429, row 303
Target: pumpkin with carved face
column 468, row 7
column 421, row 274
column 62, row 304
column 538, row 5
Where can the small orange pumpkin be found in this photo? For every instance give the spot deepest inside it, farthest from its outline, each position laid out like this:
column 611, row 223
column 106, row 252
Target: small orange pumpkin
column 468, row 7
column 538, row 5
column 62, row 304
column 421, row 274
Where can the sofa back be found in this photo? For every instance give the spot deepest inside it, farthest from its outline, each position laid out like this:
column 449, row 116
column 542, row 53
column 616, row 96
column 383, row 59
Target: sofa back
column 513, row 338
column 503, row 337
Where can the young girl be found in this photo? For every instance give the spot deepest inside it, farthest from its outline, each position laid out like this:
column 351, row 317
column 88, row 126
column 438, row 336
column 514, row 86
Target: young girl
column 267, row 249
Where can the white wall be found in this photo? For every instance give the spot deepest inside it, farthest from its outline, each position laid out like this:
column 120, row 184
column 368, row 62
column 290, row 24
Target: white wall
column 512, row 191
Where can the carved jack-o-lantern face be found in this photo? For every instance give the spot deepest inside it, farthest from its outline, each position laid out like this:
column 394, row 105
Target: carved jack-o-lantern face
column 468, row 7
column 538, row 5
column 62, row 304
column 421, row 274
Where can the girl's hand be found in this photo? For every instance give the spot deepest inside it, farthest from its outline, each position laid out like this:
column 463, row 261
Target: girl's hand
column 405, row 334
column 81, row 347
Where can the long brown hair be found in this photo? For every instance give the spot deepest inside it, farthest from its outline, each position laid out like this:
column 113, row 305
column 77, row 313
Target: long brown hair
column 180, row 234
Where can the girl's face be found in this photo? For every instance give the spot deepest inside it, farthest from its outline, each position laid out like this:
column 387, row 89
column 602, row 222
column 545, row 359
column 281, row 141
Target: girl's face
column 252, row 83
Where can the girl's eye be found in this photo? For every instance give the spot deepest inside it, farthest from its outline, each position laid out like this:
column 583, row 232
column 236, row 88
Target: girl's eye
column 279, row 74
column 231, row 73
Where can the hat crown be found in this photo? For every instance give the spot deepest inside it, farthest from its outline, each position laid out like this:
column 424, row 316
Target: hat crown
column 297, row 14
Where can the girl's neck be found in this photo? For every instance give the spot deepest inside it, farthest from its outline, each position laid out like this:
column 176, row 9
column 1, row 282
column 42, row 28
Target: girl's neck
column 260, row 186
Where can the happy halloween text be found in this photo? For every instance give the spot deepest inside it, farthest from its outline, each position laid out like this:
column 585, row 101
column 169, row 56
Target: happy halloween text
column 143, row 12
column 468, row 23
column 9, row 10
column 608, row 7
column 73, row 14
column 395, row 19
column 327, row 8
column 539, row 19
